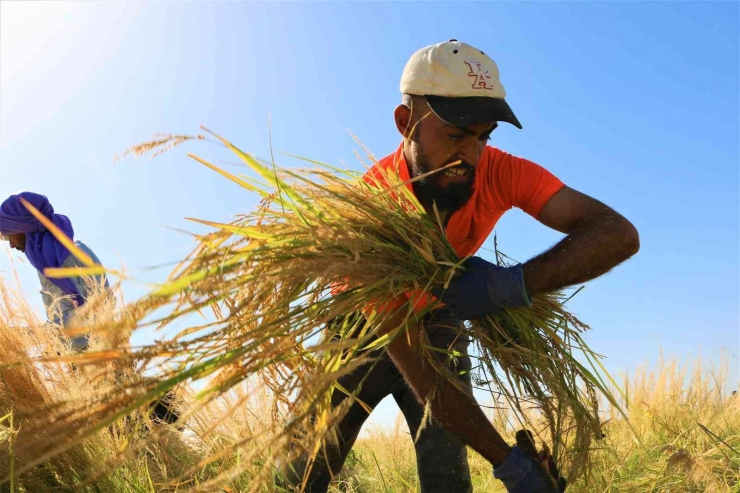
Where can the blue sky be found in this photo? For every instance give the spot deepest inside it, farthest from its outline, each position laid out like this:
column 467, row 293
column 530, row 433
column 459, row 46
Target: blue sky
column 636, row 104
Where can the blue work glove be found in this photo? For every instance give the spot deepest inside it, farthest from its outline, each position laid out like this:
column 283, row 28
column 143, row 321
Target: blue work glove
column 522, row 474
column 527, row 471
column 484, row 288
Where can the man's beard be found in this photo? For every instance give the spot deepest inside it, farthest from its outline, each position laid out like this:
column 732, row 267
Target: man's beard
column 448, row 198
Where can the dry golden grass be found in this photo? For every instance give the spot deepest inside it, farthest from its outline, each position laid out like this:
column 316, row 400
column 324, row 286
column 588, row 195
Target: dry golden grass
column 39, row 374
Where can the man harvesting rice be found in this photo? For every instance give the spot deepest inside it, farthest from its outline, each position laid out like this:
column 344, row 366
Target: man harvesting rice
column 63, row 296
column 452, row 101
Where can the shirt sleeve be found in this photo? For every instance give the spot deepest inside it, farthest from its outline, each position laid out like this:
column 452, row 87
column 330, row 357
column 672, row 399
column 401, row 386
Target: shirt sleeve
column 59, row 308
column 518, row 182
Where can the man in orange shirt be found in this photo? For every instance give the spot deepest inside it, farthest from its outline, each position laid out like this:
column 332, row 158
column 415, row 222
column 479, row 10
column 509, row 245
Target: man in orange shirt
column 452, row 101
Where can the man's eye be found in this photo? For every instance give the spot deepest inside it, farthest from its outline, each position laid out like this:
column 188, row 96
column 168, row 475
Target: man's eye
column 456, row 137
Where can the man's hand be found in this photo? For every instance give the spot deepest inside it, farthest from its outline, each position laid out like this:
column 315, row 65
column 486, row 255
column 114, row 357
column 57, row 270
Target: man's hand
column 484, row 288
column 526, row 471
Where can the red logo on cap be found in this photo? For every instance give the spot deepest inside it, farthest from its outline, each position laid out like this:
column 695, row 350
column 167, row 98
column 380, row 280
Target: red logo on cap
column 480, row 76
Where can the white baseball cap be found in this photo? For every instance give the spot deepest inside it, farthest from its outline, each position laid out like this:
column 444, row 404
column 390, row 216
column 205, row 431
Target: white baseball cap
column 460, row 83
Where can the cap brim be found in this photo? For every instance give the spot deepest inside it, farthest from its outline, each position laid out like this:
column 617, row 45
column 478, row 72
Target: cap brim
column 467, row 111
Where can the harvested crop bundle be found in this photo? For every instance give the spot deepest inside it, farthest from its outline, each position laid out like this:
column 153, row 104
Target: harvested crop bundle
column 324, row 245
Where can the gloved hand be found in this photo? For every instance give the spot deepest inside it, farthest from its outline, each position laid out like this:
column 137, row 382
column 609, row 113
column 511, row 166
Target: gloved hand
column 484, row 288
column 525, row 471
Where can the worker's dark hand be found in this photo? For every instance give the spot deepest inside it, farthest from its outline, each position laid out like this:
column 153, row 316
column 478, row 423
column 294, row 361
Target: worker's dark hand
column 526, row 471
column 484, row 288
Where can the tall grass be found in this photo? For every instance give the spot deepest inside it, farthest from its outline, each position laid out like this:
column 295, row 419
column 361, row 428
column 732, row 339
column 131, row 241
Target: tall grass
column 688, row 425
column 135, row 453
column 31, row 384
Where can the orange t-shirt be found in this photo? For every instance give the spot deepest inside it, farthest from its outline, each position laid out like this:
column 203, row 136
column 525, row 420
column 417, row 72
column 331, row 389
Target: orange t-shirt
column 502, row 181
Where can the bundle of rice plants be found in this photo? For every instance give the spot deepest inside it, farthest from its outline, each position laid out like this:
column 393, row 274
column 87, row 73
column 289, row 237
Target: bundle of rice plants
column 270, row 279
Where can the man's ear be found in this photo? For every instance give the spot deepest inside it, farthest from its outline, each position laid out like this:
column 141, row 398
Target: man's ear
column 402, row 115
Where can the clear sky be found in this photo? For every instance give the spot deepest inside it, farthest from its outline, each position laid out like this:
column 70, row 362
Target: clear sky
column 633, row 103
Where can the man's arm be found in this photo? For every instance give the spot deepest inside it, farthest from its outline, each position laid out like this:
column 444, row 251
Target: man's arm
column 452, row 408
column 598, row 239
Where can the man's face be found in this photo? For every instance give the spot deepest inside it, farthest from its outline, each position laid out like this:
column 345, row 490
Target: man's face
column 18, row 242
column 435, row 144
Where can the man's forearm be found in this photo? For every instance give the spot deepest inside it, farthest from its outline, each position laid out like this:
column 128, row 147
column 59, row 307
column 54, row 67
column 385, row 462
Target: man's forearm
column 452, row 408
column 595, row 246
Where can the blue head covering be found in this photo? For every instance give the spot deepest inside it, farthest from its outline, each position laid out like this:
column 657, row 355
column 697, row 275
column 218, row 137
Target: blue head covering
column 42, row 248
